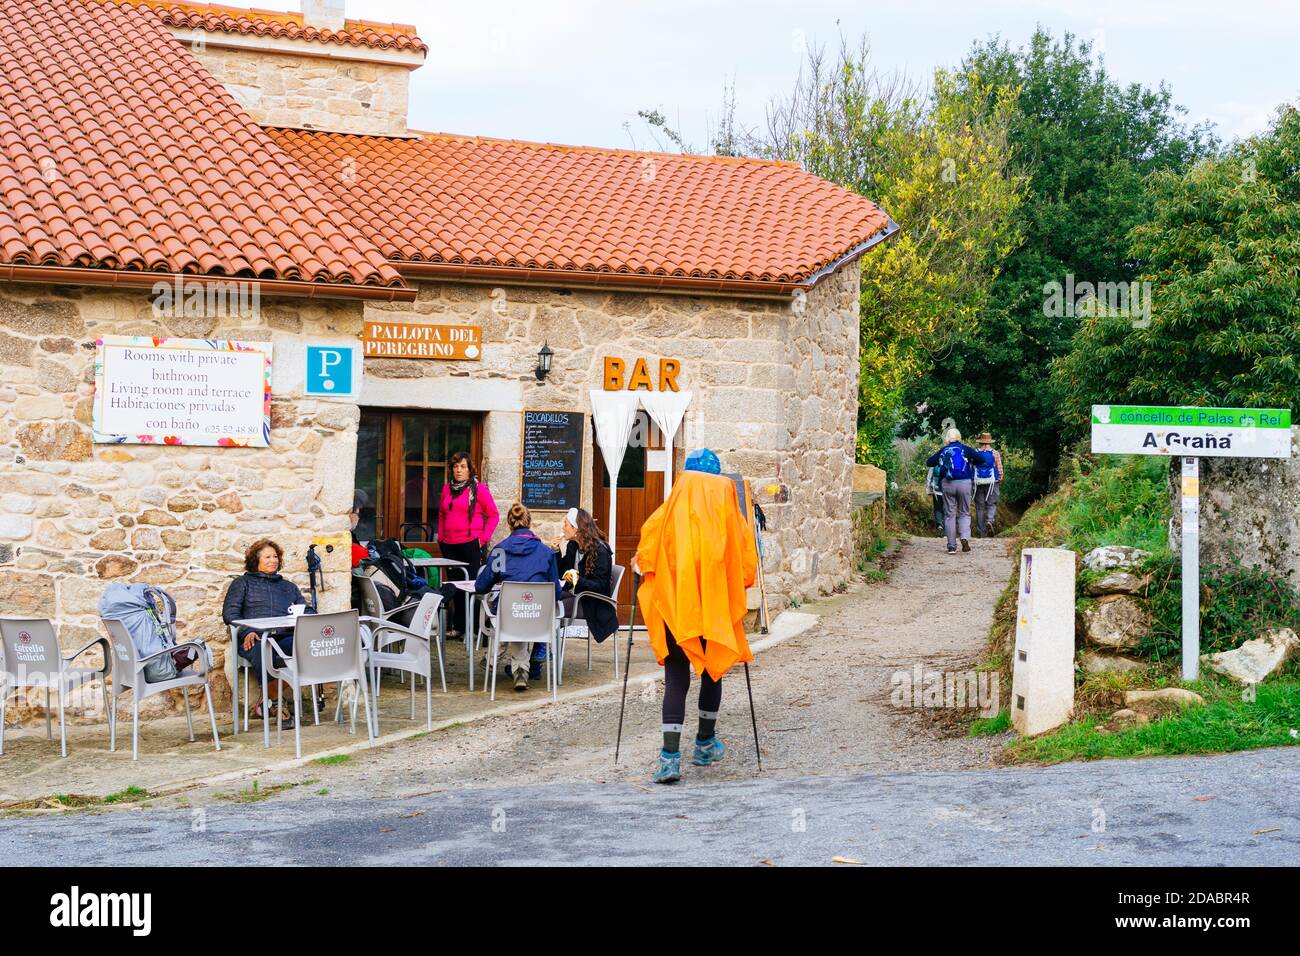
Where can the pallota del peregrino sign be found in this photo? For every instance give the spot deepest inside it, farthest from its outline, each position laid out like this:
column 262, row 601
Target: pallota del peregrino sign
column 409, row 340
column 1188, row 430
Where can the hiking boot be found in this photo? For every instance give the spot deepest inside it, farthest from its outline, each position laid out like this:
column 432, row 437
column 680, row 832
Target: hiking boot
column 952, row 550
column 670, row 767
column 965, row 545
column 535, row 670
column 708, row 751
column 521, row 680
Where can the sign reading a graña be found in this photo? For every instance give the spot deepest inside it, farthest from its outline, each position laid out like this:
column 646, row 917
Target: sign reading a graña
column 1188, row 430
column 408, row 340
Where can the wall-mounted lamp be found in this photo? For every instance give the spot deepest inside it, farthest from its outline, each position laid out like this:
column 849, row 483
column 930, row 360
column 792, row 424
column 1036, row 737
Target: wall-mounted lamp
column 543, row 362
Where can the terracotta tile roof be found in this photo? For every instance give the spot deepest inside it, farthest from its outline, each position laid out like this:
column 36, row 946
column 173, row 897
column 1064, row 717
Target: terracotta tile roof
column 119, row 151
column 217, row 18
column 455, row 199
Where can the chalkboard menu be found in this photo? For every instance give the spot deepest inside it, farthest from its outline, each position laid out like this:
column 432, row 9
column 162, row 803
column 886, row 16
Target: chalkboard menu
column 551, row 474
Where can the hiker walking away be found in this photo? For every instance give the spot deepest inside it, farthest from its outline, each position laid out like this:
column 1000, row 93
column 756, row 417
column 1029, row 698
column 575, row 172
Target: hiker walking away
column 936, row 495
column 957, row 463
column 521, row 557
column 467, row 516
column 988, row 479
column 696, row 558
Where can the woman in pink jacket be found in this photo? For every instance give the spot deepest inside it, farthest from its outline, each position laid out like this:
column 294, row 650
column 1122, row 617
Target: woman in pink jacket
column 467, row 516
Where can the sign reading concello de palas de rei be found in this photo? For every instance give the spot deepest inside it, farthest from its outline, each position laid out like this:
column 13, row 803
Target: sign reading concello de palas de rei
column 1192, row 433
column 408, row 340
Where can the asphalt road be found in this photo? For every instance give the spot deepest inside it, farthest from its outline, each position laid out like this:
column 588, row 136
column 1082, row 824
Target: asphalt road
column 1240, row 809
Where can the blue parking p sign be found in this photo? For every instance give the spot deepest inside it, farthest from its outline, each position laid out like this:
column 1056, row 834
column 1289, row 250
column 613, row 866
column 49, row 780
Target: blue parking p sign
column 329, row 370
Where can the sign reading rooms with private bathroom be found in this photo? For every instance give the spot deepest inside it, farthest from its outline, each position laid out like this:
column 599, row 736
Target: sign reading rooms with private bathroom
column 1186, row 430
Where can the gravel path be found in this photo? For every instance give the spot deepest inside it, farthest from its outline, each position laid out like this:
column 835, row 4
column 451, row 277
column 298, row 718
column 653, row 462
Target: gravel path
column 823, row 702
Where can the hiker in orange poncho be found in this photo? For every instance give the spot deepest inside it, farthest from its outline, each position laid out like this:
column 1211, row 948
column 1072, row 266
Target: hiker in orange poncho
column 696, row 556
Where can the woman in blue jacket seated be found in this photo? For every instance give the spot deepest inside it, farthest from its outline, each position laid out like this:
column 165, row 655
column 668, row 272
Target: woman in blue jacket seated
column 520, row 557
column 957, row 463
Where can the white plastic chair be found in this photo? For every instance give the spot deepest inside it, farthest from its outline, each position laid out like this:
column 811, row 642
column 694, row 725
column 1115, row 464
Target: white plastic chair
column 32, row 658
column 327, row 648
column 128, row 675
column 415, row 656
column 578, row 621
column 525, row 613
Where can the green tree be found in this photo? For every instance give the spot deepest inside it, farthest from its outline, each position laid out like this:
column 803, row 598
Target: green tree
column 1222, row 254
column 939, row 165
column 1086, row 145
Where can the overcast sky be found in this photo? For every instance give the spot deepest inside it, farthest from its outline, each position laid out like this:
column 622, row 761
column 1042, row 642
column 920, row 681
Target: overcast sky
column 576, row 71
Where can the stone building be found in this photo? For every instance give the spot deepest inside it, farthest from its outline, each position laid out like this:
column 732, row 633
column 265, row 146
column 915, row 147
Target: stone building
column 192, row 153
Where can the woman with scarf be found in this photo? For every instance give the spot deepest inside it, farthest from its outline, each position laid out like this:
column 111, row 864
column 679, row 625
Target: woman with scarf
column 467, row 516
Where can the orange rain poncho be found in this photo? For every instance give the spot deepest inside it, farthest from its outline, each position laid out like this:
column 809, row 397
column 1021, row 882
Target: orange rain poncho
column 697, row 556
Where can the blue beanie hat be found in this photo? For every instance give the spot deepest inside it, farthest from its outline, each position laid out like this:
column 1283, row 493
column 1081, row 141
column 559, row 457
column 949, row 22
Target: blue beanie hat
column 703, row 460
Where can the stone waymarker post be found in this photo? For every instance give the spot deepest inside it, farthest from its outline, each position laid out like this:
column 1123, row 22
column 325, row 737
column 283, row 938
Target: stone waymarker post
column 1042, row 675
column 1192, row 433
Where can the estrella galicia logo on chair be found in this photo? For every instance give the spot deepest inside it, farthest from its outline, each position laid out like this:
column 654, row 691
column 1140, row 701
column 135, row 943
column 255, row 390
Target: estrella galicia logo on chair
column 76, row 909
column 528, row 608
column 26, row 652
column 328, row 645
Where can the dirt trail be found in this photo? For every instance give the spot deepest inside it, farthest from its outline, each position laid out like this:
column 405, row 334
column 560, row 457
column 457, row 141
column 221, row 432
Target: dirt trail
column 823, row 701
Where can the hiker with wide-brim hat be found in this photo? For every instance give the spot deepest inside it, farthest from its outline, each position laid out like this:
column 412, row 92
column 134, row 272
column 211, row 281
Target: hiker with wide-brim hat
column 988, row 479
column 696, row 557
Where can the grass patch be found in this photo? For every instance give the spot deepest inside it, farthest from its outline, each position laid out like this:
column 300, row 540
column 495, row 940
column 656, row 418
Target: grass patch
column 129, row 795
column 1223, row 725
column 257, row 793
column 78, row 801
column 333, row 761
column 991, row 726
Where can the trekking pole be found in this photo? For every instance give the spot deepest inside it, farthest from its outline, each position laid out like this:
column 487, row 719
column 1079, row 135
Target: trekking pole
column 627, row 669
column 753, row 719
column 313, row 570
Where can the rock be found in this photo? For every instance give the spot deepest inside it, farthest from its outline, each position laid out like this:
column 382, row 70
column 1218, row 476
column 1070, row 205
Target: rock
column 114, row 540
column 1154, row 699
column 115, row 566
column 1116, row 622
column 1121, row 582
column 230, row 502
column 1256, row 659
column 1094, row 663
column 1110, row 556
column 54, row 441
column 1133, row 716
column 155, row 517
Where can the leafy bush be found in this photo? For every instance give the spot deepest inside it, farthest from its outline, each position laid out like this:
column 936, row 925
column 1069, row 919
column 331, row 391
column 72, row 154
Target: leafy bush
column 1237, row 604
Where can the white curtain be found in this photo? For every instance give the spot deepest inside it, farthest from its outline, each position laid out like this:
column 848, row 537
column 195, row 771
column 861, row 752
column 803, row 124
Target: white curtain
column 612, row 415
column 667, row 409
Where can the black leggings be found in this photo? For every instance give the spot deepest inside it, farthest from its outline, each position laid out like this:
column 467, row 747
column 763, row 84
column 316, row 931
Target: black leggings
column 677, row 680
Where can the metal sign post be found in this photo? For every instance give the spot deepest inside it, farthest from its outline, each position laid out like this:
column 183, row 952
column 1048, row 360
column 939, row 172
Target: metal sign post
column 1173, row 430
column 1191, row 567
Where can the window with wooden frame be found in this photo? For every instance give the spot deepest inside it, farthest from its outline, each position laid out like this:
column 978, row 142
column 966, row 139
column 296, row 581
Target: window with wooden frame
column 402, row 463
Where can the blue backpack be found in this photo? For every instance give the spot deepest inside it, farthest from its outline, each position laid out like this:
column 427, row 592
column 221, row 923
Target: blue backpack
column 986, row 474
column 953, row 465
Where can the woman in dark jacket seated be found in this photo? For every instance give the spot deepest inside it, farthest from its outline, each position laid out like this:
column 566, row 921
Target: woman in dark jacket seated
column 261, row 592
column 587, row 565
column 521, row 557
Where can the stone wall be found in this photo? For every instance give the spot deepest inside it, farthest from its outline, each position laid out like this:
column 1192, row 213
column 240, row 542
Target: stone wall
column 1250, row 511
column 774, row 392
column 312, row 92
column 75, row 516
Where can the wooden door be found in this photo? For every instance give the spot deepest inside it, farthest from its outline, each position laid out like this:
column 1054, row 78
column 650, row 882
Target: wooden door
column 640, row 491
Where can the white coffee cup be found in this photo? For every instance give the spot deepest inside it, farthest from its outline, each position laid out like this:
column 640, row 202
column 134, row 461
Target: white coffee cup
column 296, row 609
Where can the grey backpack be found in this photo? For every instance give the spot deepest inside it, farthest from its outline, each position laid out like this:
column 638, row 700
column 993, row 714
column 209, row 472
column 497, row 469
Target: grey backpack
column 149, row 615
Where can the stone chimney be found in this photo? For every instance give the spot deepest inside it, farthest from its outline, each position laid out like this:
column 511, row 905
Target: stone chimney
column 311, row 84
